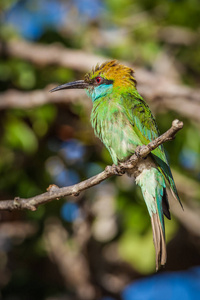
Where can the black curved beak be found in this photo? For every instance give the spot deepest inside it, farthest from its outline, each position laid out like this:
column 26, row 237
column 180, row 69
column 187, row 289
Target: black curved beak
column 79, row 84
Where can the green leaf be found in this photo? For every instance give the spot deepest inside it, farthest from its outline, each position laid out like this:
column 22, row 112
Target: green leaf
column 19, row 135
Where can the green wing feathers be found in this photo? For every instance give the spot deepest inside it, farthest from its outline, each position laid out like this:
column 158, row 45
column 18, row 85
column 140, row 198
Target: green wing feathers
column 145, row 126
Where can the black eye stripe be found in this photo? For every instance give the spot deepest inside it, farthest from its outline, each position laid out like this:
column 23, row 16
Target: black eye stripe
column 107, row 81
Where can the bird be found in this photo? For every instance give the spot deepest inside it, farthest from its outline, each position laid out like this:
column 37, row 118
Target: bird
column 122, row 120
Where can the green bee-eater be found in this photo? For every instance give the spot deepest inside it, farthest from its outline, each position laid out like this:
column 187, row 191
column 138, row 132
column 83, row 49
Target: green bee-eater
column 122, row 120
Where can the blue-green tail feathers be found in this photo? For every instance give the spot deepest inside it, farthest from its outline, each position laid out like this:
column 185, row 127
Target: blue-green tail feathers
column 152, row 183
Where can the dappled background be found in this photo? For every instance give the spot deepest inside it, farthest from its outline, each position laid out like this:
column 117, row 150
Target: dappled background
column 98, row 244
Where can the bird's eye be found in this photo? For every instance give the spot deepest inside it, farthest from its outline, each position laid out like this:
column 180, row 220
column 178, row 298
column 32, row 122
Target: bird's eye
column 98, row 79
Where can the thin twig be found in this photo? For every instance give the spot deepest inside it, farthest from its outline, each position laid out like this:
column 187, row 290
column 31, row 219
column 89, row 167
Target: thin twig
column 54, row 192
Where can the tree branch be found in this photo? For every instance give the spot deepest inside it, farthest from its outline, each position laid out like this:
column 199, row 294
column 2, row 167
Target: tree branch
column 180, row 99
column 54, row 192
column 24, row 100
column 154, row 87
column 54, row 54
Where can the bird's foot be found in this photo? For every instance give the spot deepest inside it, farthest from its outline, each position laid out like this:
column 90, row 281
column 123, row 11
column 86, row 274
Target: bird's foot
column 137, row 151
column 117, row 170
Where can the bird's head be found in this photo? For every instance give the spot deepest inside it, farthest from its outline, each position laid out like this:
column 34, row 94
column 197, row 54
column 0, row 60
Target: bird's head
column 102, row 79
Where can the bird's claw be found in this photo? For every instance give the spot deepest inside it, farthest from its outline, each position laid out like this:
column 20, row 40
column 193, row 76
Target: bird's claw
column 117, row 170
column 137, row 151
